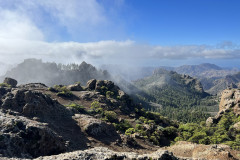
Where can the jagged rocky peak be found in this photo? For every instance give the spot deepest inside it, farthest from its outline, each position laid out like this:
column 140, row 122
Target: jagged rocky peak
column 193, row 82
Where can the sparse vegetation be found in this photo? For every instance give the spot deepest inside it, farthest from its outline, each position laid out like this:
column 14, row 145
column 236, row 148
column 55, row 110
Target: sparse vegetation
column 111, row 116
column 77, row 107
column 109, row 94
column 5, row 85
column 122, row 126
column 95, row 106
column 222, row 132
column 61, row 91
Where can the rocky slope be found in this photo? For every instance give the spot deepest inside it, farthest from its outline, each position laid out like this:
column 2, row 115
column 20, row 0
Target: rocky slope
column 96, row 121
column 40, row 121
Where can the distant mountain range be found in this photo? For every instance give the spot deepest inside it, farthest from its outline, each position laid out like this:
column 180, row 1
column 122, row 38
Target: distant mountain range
column 205, row 70
column 213, row 78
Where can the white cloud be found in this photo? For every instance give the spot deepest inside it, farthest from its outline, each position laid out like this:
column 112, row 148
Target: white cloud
column 61, row 18
column 75, row 13
column 16, row 26
column 105, row 51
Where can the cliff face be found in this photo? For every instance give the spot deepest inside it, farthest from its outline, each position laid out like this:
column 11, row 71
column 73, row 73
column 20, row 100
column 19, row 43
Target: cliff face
column 230, row 99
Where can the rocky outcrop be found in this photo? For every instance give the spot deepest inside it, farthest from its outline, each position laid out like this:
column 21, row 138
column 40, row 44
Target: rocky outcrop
column 10, row 81
column 188, row 150
column 193, row 83
column 91, row 84
column 95, row 127
column 230, row 100
column 75, row 87
column 33, row 104
column 22, row 137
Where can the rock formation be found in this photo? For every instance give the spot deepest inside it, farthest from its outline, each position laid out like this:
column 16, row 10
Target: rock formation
column 230, row 100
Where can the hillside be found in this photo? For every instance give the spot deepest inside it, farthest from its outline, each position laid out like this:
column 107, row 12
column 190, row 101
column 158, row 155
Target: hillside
column 96, row 121
column 74, row 117
column 169, row 92
column 223, row 128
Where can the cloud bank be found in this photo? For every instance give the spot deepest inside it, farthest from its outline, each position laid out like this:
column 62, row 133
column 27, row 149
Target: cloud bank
column 26, row 28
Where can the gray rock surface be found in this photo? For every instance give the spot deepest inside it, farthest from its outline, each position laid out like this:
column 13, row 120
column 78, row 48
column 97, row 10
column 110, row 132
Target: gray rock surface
column 95, row 127
column 75, row 87
column 22, row 137
column 102, row 153
column 10, row 81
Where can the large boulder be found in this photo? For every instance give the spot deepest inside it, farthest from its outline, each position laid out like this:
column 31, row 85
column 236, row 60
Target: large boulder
column 75, row 87
column 10, row 81
column 91, row 84
column 95, row 127
column 25, row 138
column 236, row 126
column 230, row 99
column 188, row 150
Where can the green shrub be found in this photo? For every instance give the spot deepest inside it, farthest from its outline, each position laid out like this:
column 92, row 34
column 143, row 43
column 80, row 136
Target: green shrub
column 130, row 131
column 103, row 89
column 109, row 94
column 5, row 85
column 197, row 137
column 78, row 107
column 154, row 140
column 170, row 131
column 62, row 91
column 95, row 106
column 138, row 127
column 111, row 116
column 123, row 126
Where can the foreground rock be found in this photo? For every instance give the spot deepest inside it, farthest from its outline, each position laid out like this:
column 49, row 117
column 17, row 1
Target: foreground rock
column 188, row 150
column 96, row 128
column 102, row 153
column 22, row 137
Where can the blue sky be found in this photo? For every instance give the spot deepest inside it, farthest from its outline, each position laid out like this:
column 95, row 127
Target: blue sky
column 137, row 32
column 186, row 21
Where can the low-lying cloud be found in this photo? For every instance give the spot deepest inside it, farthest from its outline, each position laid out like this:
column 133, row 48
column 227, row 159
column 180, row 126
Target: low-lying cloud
column 106, row 51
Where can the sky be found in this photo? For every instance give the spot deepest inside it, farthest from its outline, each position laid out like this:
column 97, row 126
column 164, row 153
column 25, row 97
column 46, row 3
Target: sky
column 127, row 32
